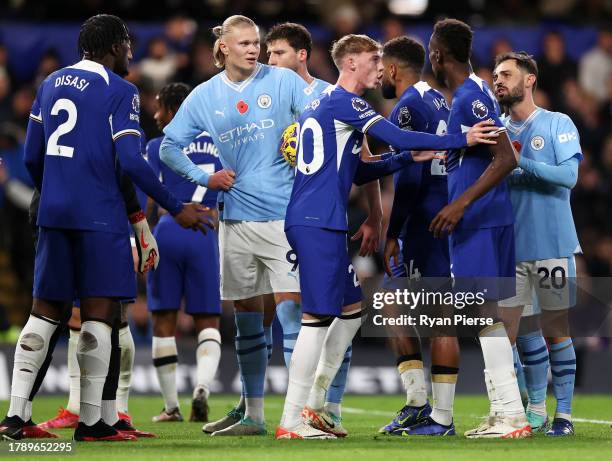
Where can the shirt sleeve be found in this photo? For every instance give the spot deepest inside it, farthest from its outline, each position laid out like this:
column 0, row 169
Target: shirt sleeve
column 125, row 115
column 564, row 174
column 565, row 139
column 34, row 148
column 475, row 107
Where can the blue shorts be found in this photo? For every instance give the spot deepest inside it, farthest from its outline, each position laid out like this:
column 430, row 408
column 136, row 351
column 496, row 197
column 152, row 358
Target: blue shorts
column 484, row 260
column 74, row 264
column 188, row 267
column 327, row 278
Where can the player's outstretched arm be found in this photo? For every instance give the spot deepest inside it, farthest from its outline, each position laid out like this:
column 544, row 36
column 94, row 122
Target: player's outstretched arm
column 389, row 164
column 504, row 161
column 565, row 174
column 484, row 132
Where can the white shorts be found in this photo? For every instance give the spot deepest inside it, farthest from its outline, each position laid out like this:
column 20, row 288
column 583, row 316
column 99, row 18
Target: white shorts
column 256, row 259
column 548, row 284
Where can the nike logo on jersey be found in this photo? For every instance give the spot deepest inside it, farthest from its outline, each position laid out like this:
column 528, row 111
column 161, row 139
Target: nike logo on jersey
column 143, row 244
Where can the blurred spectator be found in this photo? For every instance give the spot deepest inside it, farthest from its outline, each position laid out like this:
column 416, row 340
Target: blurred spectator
column 22, row 103
column 49, row 63
column 392, row 27
column 596, row 66
column 201, row 67
column 555, row 67
column 159, row 65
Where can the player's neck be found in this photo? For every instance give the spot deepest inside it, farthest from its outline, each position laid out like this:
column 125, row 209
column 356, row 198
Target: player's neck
column 457, row 75
column 351, row 84
column 235, row 74
column 404, row 82
column 302, row 71
column 522, row 110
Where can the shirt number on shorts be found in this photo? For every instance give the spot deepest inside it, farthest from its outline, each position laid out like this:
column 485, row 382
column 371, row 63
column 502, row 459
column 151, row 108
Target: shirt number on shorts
column 556, row 276
column 292, row 259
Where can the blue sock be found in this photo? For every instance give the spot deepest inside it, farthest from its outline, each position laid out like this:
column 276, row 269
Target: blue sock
column 269, row 341
column 252, row 352
column 563, row 368
column 289, row 316
column 520, row 372
column 535, row 365
column 338, row 385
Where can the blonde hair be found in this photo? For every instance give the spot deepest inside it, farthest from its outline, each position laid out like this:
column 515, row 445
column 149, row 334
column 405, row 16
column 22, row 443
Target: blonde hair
column 352, row 44
column 224, row 29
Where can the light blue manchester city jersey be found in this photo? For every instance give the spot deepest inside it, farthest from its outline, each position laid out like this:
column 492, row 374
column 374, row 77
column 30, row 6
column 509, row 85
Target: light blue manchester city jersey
column 246, row 121
column 544, row 226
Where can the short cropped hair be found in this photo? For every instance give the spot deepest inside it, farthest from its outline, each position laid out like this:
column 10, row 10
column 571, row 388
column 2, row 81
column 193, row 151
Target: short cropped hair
column 523, row 60
column 456, row 37
column 352, row 44
column 407, row 51
column 99, row 33
column 296, row 35
column 172, row 95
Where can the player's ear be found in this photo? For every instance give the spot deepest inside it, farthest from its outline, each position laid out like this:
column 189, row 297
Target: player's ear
column 302, row 55
column 531, row 80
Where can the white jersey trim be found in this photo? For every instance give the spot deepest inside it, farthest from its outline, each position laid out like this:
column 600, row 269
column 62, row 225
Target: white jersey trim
column 422, row 87
column 371, row 122
column 118, row 134
column 36, row 118
column 239, row 87
column 91, row 66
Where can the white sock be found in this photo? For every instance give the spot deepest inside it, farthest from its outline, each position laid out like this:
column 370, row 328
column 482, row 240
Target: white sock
column 29, row 410
column 93, row 355
column 499, row 363
column 413, row 379
column 109, row 412
column 126, row 343
column 208, row 354
column 303, row 365
column 165, row 358
column 496, row 408
column 74, row 396
column 333, row 408
column 337, row 340
column 443, row 394
column 30, row 353
column 538, row 408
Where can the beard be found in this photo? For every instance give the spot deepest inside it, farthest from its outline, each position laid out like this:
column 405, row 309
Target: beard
column 388, row 89
column 512, row 97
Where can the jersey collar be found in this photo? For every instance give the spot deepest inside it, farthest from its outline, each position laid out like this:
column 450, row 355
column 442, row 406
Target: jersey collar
column 91, row 66
column 517, row 128
column 241, row 85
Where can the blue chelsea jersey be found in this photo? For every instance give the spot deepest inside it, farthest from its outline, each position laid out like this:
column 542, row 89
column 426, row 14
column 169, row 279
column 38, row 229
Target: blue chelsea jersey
column 329, row 148
column 421, row 187
column 544, row 227
column 203, row 153
column 246, row 121
column 474, row 102
column 84, row 109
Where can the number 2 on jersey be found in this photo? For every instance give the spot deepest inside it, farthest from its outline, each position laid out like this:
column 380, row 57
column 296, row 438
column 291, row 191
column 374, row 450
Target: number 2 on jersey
column 53, row 148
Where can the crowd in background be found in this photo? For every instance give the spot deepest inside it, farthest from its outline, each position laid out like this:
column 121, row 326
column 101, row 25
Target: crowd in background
column 581, row 88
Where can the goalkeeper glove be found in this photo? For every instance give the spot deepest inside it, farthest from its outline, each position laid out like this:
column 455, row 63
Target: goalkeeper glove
column 146, row 245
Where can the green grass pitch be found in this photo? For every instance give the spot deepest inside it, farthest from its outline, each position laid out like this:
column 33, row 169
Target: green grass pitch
column 363, row 415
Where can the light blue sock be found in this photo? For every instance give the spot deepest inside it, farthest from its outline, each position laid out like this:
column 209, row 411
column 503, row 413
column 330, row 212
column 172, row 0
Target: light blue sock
column 338, row 385
column 563, row 368
column 252, row 352
column 535, row 363
column 269, row 341
column 520, row 372
column 289, row 316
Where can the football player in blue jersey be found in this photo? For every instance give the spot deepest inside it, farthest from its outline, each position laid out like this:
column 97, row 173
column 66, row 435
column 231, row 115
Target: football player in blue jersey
column 84, row 121
column 245, row 109
column 331, row 135
column 546, row 241
column 480, row 222
column 289, row 46
column 420, row 192
column 189, row 270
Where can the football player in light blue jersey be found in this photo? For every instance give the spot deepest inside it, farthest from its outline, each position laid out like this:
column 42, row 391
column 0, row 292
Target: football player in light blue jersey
column 245, row 108
column 289, row 46
column 332, row 129
column 546, row 241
